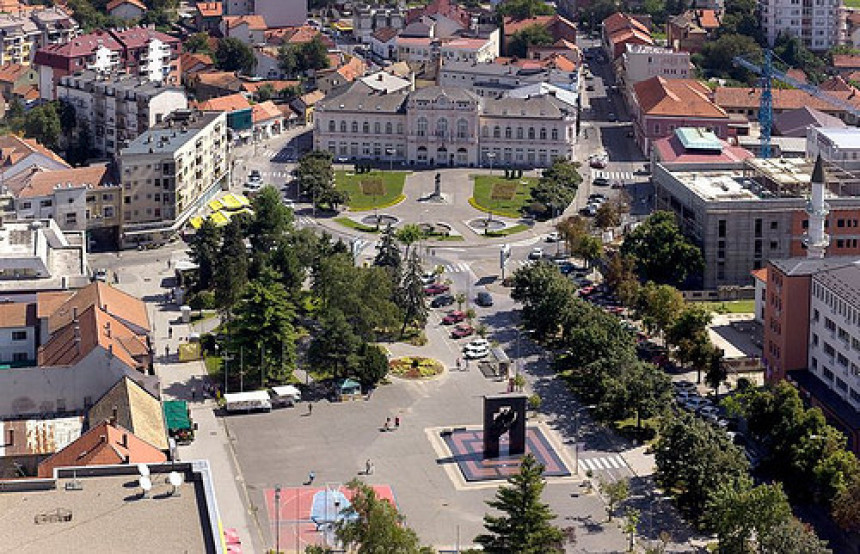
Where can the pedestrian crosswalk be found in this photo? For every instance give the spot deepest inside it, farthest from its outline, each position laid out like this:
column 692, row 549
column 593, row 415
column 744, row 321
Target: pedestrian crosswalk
column 612, row 175
column 459, row 267
column 603, row 463
column 275, row 174
column 304, row 221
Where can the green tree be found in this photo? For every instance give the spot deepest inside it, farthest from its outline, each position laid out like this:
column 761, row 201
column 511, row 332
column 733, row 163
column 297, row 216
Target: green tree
column 388, row 255
column 544, row 292
column 590, row 249
column 372, row 525
column 232, row 54
column 333, row 348
column 271, row 221
column 741, row 514
column 614, row 492
column 795, row 537
column 661, row 252
column 371, row 365
column 204, row 249
column 621, row 278
column 231, row 273
column 203, row 300
column 263, row 323
column 607, row 216
column 525, row 526
column 846, row 506
column 716, row 57
column 294, row 59
column 595, row 12
column 43, row 123
column 523, row 9
column 557, row 186
column 572, row 230
column 640, row 389
column 659, row 306
column 408, row 235
column 716, row 373
column 315, row 174
column 197, row 43
column 533, row 35
column 460, row 298
column 412, row 298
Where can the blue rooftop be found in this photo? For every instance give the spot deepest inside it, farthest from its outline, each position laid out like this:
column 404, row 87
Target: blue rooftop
column 695, row 138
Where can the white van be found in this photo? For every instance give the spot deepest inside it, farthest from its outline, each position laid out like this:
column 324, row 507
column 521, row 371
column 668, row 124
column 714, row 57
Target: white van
column 285, row 396
column 247, row 401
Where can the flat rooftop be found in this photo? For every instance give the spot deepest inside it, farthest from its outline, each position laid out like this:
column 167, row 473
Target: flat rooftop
column 170, row 136
column 108, row 514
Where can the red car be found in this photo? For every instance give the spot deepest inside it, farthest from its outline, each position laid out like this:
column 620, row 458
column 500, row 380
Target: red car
column 454, row 316
column 436, row 288
column 461, row 331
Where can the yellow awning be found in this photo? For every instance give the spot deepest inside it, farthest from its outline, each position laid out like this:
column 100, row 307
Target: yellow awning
column 234, row 202
column 196, row 221
column 245, row 210
column 342, row 26
column 215, row 205
column 220, row 219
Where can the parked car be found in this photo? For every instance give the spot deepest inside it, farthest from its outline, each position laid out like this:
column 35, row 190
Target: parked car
column 600, row 182
column 436, row 288
column 617, row 185
column 442, row 300
column 589, row 87
column 696, row 403
column 536, row 253
column 255, row 176
column 253, row 186
column 454, row 316
column 484, row 299
column 428, row 278
column 478, row 342
column 477, row 353
column 100, row 274
column 598, row 162
column 596, row 196
column 462, row 330
column 612, row 117
column 555, row 236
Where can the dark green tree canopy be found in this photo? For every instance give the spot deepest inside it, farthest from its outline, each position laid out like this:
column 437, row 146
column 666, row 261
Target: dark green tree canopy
column 661, row 252
column 234, row 55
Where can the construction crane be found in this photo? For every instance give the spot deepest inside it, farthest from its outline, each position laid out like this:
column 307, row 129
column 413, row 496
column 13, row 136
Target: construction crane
column 765, row 113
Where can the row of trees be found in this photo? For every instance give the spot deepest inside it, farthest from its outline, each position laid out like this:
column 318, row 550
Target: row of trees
column 315, row 174
column 556, row 188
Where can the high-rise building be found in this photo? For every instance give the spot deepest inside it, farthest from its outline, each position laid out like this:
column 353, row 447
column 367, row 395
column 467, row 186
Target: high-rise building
column 820, row 25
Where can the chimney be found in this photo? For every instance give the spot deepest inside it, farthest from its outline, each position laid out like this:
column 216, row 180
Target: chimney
column 75, row 314
column 107, row 329
column 102, row 438
column 114, row 413
column 124, row 442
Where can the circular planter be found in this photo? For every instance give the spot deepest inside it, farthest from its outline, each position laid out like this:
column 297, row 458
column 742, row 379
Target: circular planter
column 415, row 367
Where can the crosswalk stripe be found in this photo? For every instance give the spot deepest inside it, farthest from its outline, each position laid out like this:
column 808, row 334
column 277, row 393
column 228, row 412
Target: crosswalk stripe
column 587, row 464
column 599, row 463
column 617, row 175
column 613, row 462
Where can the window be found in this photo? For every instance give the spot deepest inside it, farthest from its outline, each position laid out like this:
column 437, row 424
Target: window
column 71, row 218
column 841, row 385
column 758, row 227
column 496, row 132
column 399, row 128
column 508, row 132
column 19, row 335
column 354, row 127
column 531, row 134
column 462, row 128
column 827, row 374
column 332, row 126
column 26, row 205
column 343, row 126
column 721, row 228
column 828, row 349
column 555, row 134
column 377, row 127
column 421, row 127
column 543, row 133
column 829, row 325
column 365, row 127
column 774, row 244
column 843, row 361
column 774, row 225
column 519, row 133
column 388, row 128
column 19, row 357
column 441, row 127
column 108, row 212
column 46, row 203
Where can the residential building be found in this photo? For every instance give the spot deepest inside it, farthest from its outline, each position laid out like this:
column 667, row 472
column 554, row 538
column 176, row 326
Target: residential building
column 658, row 106
column 18, row 338
column 37, row 255
column 116, row 110
column 27, row 442
column 304, row 106
column 641, row 62
column 192, row 65
column 444, row 126
column 820, row 27
column 250, row 29
column 268, row 120
column 469, row 50
column 84, row 199
column 211, row 84
column 742, row 214
column 383, row 43
column 18, row 154
column 107, row 515
column 619, row 30
column 760, row 278
column 240, row 115
column 126, row 9
column 746, row 101
column 18, row 82
column 19, row 38
column 150, row 54
column 557, row 26
column 447, row 17
column 328, row 80
column 796, row 123
column 846, row 64
column 838, row 145
column 207, row 16
column 367, row 19
column 281, row 13
column 690, row 30
column 55, row 25
column 238, row 7
column 171, row 170
column 494, row 80
column 132, row 407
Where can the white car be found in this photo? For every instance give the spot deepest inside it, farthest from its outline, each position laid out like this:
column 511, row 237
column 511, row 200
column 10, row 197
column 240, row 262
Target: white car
column 476, row 353
column 555, row 236
column 477, row 343
column 536, row 253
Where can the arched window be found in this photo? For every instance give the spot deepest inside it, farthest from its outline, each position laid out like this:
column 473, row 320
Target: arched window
column 462, row 128
column 555, row 134
column 355, row 126
column 365, row 128
column 519, row 133
column 531, row 133
column 422, row 126
column 388, row 128
column 507, row 132
column 343, row 126
column 441, row 127
column 332, row 126
column 543, row 133
column 485, row 131
column 377, row 127
column 399, row 128
column 496, row 132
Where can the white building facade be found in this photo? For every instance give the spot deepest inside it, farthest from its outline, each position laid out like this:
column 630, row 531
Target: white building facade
column 820, row 27
column 438, row 126
column 837, row 145
column 641, row 62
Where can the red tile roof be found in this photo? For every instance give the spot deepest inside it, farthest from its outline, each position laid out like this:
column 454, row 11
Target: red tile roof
column 846, row 61
column 760, row 274
column 110, row 299
column 385, row 34
column 137, row 37
column 254, row 22
column 620, row 20
column 353, row 69
column 264, row 111
column 113, row 4
column 670, row 150
column 82, row 46
column 104, row 444
column 708, row 19
column 10, row 73
column 41, row 182
column 676, row 98
column 14, row 149
column 229, row 103
column 744, row 98
column 278, row 86
column 210, row 9
column 836, row 84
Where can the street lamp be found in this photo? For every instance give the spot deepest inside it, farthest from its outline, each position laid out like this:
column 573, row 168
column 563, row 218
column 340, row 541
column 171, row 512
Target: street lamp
column 278, row 519
column 491, row 156
column 520, row 332
column 390, row 152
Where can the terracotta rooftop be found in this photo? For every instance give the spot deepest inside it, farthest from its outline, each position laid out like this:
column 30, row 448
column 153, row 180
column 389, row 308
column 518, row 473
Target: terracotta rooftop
column 14, row 149
column 836, row 84
column 9, row 73
column 229, row 103
column 278, row 86
column 103, row 444
column 353, row 69
column 113, row 4
column 210, row 9
column 846, row 61
column 137, row 37
column 82, row 46
column 110, row 299
column 629, row 34
column 620, row 20
column 708, row 19
column 760, row 274
column 129, row 405
column 223, row 79
column 676, row 98
column 17, row 314
column 40, row 182
column 48, row 302
column 745, row 98
column 385, row 34
column 254, row 22
column 265, row 111
column 670, row 150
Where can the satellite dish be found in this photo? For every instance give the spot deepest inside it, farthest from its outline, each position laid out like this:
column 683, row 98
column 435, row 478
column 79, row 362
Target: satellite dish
column 174, row 478
column 143, row 469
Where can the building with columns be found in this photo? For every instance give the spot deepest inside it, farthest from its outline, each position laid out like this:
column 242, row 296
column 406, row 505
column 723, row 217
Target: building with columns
column 444, row 126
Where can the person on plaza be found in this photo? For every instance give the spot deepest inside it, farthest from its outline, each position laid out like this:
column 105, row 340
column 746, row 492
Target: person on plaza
column 170, row 332
column 310, row 408
column 194, row 394
column 458, row 364
column 387, row 423
column 166, row 350
column 311, row 477
column 368, row 467
column 397, row 422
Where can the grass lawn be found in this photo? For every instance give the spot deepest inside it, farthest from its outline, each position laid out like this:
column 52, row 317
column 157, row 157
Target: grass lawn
column 852, row 3
column 509, row 231
column 505, row 197
column 347, row 222
column 377, row 189
column 729, row 307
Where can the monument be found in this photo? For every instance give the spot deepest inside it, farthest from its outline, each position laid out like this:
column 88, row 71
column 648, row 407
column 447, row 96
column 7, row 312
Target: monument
column 505, row 413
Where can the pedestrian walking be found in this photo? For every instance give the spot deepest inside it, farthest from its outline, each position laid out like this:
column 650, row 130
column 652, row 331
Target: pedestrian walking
column 387, row 423
column 397, row 422
column 194, row 394
column 167, row 351
column 170, row 332
column 368, row 467
column 458, row 364
column 310, row 408
column 311, row 477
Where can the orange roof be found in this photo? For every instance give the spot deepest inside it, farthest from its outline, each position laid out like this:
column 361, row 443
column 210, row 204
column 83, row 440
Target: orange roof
column 14, row 149
column 351, row 70
column 17, row 314
column 708, row 19
column 846, row 61
column 218, row 78
column 303, row 34
column 254, row 86
column 744, row 98
column 229, row 103
column 798, row 74
column 629, row 35
column 40, row 182
column 513, row 25
column 210, row 9
column 113, row 4
column 9, row 73
column 254, row 22
column 265, row 111
column 836, row 83
column 676, row 98
column 109, row 299
column 760, row 274
column 620, row 20
column 48, row 302
column 104, row 444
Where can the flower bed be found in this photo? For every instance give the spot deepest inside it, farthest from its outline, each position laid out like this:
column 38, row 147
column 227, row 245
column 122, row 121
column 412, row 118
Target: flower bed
column 415, row 367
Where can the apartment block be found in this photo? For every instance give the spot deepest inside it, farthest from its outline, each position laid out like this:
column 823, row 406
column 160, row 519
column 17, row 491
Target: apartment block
column 641, row 62
column 820, row 25
column 169, row 171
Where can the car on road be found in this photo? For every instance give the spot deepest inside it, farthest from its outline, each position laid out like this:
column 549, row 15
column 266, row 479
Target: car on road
column 696, row 403
column 342, row 159
column 590, row 210
column 612, row 117
column 596, row 196
column 442, row 300
column 290, row 204
column 536, row 253
column 617, row 185
column 600, row 182
column 476, row 353
column 428, row 278
column 555, row 236
column 100, row 274
column 462, row 330
column 436, row 288
column 478, row 342
column 454, row 316
column 255, row 176
column 484, row 299
column 589, row 87
column 598, row 162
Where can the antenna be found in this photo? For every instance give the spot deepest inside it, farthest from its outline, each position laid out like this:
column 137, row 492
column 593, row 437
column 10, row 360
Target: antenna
column 175, row 480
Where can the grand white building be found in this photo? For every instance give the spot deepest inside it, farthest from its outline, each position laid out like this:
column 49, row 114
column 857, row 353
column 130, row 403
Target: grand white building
column 444, row 126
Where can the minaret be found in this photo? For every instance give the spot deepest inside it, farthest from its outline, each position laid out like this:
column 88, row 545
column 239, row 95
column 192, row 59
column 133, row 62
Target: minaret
column 815, row 239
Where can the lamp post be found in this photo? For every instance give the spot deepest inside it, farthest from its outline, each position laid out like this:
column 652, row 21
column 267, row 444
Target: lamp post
column 491, row 156
column 278, row 519
column 390, row 152
column 520, row 332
